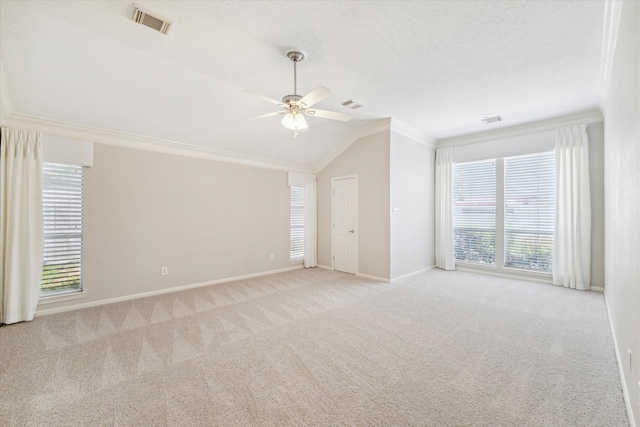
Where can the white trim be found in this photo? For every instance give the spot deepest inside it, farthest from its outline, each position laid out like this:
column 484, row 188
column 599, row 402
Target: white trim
column 596, row 289
column 325, row 267
column 160, row 292
column 411, row 133
column 404, row 276
column 333, row 230
column 610, row 30
column 491, row 271
column 593, row 116
column 376, row 278
column 67, row 296
column 350, row 138
column 625, row 390
column 122, row 139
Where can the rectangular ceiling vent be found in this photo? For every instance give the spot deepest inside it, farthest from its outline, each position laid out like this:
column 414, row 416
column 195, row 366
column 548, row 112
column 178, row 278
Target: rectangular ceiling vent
column 150, row 20
column 492, row 119
column 350, row 104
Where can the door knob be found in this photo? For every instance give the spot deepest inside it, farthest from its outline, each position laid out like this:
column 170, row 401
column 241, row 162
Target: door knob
column 352, row 231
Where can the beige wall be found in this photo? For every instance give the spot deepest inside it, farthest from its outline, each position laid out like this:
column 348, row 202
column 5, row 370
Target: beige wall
column 204, row 220
column 412, row 195
column 622, row 195
column 368, row 158
column 595, row 132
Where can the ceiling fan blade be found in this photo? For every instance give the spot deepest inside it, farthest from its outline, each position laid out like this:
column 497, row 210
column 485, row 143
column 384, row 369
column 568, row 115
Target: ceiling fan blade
column 262, row 116
column 265, row 98
column 328, row 115
column 315, row 96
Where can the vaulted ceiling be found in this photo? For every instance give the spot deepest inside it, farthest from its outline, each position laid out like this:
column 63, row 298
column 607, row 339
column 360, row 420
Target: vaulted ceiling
column 434, row 66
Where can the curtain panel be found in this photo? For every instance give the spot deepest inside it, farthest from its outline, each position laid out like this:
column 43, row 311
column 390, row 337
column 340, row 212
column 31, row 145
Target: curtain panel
column 443, row 204
column 21, row 224
column 572, row 221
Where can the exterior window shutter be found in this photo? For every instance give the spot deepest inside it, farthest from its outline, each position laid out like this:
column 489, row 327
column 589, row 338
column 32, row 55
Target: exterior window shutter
column 62, row 203
column 297, row 224
column 474, row 212
column 529, row 205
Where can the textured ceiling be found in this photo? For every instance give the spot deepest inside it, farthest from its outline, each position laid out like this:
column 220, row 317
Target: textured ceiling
column 435, row 66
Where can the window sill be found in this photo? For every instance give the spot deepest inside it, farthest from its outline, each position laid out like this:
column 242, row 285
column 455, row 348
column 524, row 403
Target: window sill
column 67, row 296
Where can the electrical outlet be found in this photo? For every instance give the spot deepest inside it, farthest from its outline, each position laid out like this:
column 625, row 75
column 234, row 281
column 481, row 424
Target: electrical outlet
column 273, row 256
column 165, row 271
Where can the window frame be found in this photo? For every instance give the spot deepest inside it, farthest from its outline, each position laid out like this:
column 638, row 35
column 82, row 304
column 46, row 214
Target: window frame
column 296, row 223
column 62, row 293
column 500, row 249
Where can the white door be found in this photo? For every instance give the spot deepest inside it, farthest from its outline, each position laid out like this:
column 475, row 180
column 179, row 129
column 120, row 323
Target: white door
column 345, row 233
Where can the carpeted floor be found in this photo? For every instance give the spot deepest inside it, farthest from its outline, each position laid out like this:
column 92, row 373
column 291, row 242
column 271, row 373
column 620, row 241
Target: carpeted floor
column 320, row 348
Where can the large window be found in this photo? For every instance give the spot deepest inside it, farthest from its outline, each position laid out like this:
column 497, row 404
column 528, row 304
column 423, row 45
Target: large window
column 62, row 192
column 296, row 246
column 529, row 204
column 520, row 233
column 474, row 212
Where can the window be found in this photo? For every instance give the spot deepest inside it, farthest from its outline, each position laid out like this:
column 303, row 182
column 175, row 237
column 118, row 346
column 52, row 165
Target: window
column 526, row 185
column 62, row 197
column 474, row 212
column 529, row 203
column 297, row 224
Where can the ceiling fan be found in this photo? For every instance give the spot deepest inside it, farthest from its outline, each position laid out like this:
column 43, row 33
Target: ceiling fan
column 295, row 107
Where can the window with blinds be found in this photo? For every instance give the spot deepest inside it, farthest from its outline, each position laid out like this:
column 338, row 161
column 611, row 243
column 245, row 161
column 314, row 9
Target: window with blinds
column 62, row 197
column 529, row 205
column 296, row 247
column 474, row 212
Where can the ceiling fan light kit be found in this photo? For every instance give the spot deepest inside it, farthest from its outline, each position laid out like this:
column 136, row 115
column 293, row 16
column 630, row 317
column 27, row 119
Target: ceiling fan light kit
column 296, row 106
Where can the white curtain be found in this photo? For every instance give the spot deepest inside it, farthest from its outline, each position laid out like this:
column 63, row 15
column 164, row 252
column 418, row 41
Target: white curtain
column 310, row 221
column 572, row 236
column 444, row 214
column 21, row 230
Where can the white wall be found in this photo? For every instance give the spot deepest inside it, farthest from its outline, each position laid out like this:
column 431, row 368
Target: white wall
column 368, row 157
column 622, row 194
column 412, row 171
column 203, row 219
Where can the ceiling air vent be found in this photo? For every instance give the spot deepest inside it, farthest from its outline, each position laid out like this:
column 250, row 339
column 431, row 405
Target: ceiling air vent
column 486, row 118
column 150, row 20
column 350, row 104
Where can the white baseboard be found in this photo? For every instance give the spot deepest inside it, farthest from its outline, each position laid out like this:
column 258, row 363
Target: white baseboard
column 326, row 267
column 625, row 390
column 160, row 292
column 492, row 272
column 597, row 289
column 376, row 278
column 404, row 276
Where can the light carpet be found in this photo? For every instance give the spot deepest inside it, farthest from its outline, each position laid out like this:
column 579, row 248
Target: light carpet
column 321, row 348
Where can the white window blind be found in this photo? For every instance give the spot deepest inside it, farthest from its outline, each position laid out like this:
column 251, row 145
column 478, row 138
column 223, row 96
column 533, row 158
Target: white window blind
column 62, row 197
column 474, row 212
column 529, row 205
column 297, row 224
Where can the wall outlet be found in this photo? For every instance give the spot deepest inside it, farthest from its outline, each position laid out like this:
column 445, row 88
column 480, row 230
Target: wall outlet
column 165, row 271
column 273, row 256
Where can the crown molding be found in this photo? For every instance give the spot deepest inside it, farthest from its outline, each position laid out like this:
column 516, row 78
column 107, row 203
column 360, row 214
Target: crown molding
column 413, row 134
column 122, row 139
column 586, row 117
column 350, row 138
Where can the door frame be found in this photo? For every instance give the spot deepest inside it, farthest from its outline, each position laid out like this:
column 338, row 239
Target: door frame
column 356, row 255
